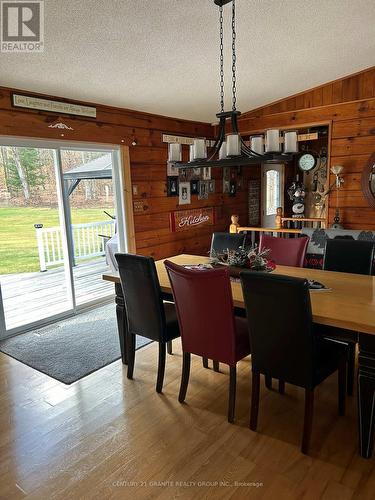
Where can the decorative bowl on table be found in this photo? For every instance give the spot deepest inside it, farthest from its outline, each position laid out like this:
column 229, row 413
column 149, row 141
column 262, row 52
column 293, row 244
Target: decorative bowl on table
column 251, row 258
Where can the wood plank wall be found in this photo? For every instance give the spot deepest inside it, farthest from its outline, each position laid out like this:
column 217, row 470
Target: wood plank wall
column 148, row 166
column 348, row 105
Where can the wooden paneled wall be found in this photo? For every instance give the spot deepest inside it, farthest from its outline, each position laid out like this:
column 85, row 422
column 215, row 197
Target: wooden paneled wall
column 148, row 167
column 348, row 106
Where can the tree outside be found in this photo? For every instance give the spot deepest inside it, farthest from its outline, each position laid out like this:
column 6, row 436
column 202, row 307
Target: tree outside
column 28, row 196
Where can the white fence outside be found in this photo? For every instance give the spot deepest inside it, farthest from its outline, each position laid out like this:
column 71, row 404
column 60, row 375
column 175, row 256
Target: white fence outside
column 87, row 242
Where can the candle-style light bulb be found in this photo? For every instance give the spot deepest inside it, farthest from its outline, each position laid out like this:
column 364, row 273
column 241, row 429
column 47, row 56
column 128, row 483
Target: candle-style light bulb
column 174, row 152
column 233, row 145
column 200, row 149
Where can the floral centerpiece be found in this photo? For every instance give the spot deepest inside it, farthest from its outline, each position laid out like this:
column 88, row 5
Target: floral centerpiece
column 245, row 257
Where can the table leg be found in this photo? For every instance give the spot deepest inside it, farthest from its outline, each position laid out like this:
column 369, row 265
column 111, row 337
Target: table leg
column 122, row 326
column 366, row 393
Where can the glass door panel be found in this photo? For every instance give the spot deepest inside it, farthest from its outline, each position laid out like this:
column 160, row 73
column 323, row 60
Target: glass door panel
column 272, row 193
column 91, row 224
column 34, row 269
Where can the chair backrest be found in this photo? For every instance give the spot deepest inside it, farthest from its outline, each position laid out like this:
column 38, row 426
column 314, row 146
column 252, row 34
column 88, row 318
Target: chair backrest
column 349, row 256
column 226, row 241
column 142, row 296
column 285, row 251
column 280, row 325
column 204, row 307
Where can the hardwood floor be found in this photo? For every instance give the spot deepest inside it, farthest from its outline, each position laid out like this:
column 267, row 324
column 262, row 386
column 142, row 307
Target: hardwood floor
column 109, row 437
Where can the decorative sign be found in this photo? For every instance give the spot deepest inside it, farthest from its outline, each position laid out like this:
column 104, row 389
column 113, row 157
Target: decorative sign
column 189, row 219
column 25, row 101
column 139, row 206
column 177, row 139
column 254, row 202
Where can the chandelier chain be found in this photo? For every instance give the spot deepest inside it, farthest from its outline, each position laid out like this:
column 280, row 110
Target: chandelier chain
column 221, row 60
column 234, row 57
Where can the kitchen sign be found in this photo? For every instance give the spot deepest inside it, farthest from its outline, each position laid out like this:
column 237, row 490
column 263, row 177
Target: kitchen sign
column 183, row 220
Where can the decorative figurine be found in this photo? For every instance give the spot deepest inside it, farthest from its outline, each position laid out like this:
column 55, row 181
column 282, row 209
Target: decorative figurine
column 278, row 221
column 233, row 227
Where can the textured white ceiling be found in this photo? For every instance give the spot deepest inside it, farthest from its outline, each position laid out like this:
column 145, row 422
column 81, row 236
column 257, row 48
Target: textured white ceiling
column 161, row 56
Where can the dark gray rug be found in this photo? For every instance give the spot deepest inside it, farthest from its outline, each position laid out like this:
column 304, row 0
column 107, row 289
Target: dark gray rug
column 72, row 348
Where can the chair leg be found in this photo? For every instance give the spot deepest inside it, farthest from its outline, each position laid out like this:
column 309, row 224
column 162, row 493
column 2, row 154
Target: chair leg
column 268, row 380
column 281, row 386
column 232, row 393
column 216, row 366
column 161, row 367
column 184, row 376
column 254, row 400
column 351, row 369
column 131, row 354
column 169, row 347
column 342, row 386
column 307, row 424
column 205, row 362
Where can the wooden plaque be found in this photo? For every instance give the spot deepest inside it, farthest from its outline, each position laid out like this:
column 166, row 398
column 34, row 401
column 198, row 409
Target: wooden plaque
column 183, row 220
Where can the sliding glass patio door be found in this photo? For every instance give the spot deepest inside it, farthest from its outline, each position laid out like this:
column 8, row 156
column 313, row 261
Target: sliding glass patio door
column 58, row 211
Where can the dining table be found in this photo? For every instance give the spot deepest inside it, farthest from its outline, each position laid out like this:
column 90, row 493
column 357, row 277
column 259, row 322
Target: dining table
column 347, row 302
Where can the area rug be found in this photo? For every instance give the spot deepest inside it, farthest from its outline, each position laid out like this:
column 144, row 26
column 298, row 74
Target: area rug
column 72, row 348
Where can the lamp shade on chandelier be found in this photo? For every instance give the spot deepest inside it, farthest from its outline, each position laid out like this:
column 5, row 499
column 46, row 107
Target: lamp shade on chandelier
column 229, row 148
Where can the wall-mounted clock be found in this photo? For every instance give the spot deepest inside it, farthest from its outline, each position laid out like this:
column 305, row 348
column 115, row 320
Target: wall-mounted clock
column 307, row 161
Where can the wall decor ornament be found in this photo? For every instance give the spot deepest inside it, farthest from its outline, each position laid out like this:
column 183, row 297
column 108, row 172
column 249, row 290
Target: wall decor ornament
column 184, row 193
column 368, row 181
column 183, row 220
column 232, row 188
column 172, row 186
column 297, row 193
column 203, row 190
column 61, row 126
column 52, row 106
column 194, row 186
column 172, row 170
column 206, row 173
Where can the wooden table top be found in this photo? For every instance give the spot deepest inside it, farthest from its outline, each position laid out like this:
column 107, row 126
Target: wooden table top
column 349, row 304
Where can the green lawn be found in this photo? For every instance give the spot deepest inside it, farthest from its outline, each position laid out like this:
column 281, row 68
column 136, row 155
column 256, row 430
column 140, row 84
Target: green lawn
column 18, row 247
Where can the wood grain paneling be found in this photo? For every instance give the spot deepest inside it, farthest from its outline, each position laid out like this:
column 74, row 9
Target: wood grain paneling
column 353, row 87
column 348, row 106
column 147, row 167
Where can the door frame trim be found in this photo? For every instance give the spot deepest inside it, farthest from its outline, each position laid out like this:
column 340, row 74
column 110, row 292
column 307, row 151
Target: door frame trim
column 123, row 203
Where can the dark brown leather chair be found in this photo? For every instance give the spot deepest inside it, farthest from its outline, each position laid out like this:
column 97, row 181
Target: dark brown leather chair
column 221, row 242
column 208, row 326
column 285, row 344
column 348, row 256
column 146, row 313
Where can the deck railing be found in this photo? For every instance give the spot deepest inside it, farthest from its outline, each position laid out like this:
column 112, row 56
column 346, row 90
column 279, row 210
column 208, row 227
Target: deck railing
column 88, row 241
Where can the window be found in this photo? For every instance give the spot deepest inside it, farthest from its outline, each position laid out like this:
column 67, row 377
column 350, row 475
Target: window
column 272, row 191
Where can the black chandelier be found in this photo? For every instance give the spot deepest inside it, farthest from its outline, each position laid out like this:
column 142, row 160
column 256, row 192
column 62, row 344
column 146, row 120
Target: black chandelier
column 229, row 148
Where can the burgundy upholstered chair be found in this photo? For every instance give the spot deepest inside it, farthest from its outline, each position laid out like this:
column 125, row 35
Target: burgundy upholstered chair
column 285, row 251
column 207, row 323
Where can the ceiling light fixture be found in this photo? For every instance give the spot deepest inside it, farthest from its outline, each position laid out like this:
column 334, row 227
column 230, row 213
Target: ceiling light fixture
column 229, row 148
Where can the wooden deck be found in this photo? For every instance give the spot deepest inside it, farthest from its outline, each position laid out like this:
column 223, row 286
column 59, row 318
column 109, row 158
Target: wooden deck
column 30, row 297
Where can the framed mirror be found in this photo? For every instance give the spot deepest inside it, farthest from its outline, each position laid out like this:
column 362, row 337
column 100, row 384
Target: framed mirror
column 368, row 181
